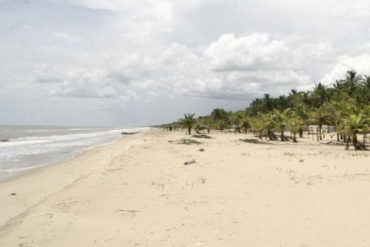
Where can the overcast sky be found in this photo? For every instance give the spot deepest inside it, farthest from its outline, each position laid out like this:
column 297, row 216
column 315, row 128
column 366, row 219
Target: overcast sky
column 142, row 62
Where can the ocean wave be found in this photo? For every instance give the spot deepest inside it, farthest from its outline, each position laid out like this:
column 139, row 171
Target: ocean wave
column 27, row 152
column 30, row 140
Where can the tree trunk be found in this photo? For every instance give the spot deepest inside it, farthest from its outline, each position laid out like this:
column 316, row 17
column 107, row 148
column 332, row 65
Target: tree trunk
column 301, row 133
column 337, row 137
column 320, row 135
column 294, row 138
column 189, row 130
column 269, row 132
column 260, row 136
column 282, row 135
column 355, row 142
column 346, row 139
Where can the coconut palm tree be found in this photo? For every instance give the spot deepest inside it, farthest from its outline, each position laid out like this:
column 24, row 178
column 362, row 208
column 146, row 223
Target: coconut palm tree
column 353, row 79
column 319, row 117
column 268, row 118
column 245, row 124
column 258, row 125
column 302, row 112
column 336, row 111
column 355, row 124
column 294, row 125
column 280, row 119
column 237, row 119
column 188, row 121
column 220, row 118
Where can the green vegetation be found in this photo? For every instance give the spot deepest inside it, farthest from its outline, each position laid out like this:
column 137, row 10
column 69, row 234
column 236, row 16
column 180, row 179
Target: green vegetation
column 188, row 121
column 188, row 142
column 345, row 106
column 250, row 141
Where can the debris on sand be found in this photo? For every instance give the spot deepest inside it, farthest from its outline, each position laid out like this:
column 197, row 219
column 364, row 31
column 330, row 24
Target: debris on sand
column 189, row 161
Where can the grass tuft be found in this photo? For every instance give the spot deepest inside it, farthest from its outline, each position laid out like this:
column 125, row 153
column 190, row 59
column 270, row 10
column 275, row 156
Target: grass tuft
column 186, row 142
column 250, row 140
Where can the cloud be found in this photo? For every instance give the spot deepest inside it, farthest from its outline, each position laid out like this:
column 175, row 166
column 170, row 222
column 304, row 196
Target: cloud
column 359, row 63
column 228, row 68
column 246, row 53
column 85, row 84
column 144, row 54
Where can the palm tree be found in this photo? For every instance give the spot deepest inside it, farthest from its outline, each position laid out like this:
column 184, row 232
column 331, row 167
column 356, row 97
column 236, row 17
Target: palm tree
column 319, row 117
column 237, row 120
column 245, row 124
column 295, row 125
column 319, row 95
column 355, row 124
column 258, row 125
column 353, row 79
column 188, row 121
column 280, row 119
column 302, row 112
column 268, row 118
column 220, row 118
column 336, row 110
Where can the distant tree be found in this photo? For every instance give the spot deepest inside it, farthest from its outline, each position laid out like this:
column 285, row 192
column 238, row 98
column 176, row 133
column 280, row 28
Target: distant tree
column 220, row 118
column 355, row 124
column 294, row 125
column 319, row 95
column 258, row 125
column 188, row 121
column 352, row 81
column 319, row 117
column 345, row 105
column 280, row 120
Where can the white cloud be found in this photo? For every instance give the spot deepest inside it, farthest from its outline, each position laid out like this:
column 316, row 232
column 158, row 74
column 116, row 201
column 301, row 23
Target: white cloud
column 359, row 63
column 132, row 52
column 85, row 84
column 260, row 50
column 249, row 52
column 228, row 68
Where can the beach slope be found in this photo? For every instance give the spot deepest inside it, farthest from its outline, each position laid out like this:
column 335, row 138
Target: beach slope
column 138, row 192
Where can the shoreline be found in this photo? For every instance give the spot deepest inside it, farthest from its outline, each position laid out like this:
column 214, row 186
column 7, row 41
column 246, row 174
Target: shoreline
column 60, row 158
column 137, row 191
column 51, row 169
column 35, row 168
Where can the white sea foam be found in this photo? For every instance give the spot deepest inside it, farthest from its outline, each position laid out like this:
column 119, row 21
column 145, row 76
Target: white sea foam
column 28, row 148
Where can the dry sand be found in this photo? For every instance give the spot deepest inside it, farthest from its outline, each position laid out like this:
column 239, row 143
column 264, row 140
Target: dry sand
column 137, row 192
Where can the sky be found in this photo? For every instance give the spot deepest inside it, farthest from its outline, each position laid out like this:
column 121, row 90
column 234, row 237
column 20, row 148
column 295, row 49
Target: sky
column 145, row 62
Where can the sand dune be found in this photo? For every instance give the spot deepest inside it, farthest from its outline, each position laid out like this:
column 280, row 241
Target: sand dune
column 137, row 192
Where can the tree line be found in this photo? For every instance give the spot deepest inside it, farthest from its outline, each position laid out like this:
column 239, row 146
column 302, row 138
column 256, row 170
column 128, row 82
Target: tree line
column 344, row 105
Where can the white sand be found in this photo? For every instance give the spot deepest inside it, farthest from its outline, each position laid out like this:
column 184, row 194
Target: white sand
column 137, row 192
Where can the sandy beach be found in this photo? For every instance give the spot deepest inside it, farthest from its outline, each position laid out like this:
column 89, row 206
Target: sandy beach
column 138, row 192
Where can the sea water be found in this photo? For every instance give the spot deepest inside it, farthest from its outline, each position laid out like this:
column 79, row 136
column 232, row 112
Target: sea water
column 26, row 147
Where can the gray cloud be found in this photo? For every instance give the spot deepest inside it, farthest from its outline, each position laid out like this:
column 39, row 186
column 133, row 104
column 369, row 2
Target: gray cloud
column 123, row 60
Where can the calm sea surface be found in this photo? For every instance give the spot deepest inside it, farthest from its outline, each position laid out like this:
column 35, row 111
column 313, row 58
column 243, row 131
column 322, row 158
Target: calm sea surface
column 26, row 147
